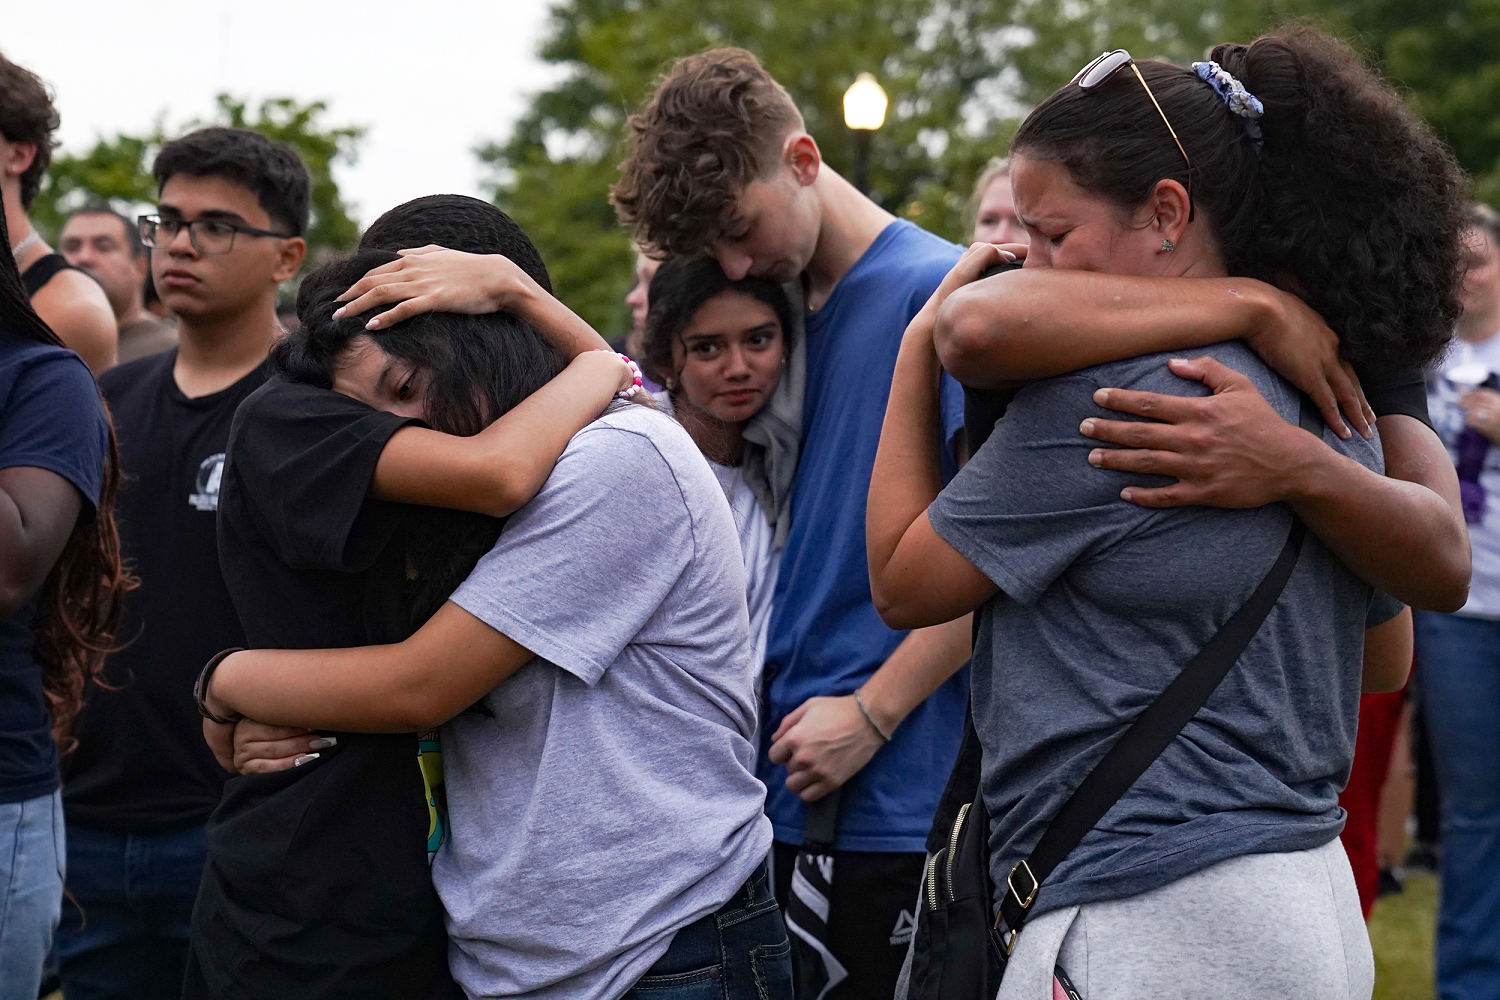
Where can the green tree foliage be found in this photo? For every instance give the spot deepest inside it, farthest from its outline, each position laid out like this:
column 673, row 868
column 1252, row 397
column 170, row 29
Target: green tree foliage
column 959, row 73
column 1441, row 56
column 118, row 168
column 933, row 57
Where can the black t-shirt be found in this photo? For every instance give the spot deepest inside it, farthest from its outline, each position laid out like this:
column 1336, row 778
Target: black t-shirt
column 141, row 765
column 317, row 883
column 1399, row 394
column 50, row 418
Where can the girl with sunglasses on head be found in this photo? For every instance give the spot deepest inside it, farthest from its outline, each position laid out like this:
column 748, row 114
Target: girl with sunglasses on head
column 1143, row 187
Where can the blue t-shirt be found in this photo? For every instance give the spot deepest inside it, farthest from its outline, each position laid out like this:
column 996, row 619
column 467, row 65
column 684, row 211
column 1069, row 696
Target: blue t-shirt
column 50, row 418
column 1103, row 603
column 825, row 635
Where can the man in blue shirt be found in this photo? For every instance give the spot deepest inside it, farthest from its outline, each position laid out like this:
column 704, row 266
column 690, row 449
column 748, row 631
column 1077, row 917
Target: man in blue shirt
column 721, row 164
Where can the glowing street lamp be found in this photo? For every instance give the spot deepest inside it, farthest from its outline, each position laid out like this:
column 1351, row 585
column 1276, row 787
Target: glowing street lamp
column 865, row 104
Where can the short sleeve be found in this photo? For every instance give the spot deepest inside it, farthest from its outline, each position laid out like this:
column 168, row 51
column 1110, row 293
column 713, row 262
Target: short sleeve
column 1383, row 607
column 304, row 458
column 53, row 419
column 1402, row 393
column 1028, row 504
column 577, row 573
column 951, row 395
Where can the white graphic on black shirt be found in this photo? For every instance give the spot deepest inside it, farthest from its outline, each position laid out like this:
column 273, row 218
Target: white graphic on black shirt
column 906, row 926
column 205, row 496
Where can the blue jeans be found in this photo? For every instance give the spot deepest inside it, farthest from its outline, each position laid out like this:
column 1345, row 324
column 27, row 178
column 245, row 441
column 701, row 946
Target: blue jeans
column 1458, row 661
column 124, row 932
column 31, row 879
column 739, row 953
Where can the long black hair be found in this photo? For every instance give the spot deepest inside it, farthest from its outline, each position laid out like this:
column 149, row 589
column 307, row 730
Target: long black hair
column 477, row 368
column 79, row 603
column 1351, row 202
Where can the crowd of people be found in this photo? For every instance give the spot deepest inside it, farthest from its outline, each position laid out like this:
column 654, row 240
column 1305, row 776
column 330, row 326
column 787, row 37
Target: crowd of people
column 429, row 647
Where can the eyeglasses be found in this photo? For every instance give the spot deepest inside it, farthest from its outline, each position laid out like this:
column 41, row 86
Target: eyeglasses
column 1107, row 65
column 208, row 236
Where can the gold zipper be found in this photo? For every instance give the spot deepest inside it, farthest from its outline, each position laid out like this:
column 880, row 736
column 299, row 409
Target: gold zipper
column 958, row 825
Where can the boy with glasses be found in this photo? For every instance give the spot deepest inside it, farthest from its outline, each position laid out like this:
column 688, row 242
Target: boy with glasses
column 232, row 208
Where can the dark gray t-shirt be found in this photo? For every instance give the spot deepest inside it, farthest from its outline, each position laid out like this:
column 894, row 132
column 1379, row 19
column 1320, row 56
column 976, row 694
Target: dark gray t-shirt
column 605, row 795
column 1103, row 603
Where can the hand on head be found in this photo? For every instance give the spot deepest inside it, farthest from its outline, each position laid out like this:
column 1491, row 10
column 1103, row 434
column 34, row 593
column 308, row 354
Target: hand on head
column 435, row 279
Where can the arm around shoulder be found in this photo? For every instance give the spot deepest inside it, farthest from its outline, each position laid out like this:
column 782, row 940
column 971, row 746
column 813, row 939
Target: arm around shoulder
column 1402, row 532
column 503, row 466
column 1036, row 323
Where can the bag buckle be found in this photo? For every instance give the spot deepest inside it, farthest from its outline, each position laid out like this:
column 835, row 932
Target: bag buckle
column 1010, row 884
column 1006, row 938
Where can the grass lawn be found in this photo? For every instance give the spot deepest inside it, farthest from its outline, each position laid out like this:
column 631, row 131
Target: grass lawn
column 1401, row 936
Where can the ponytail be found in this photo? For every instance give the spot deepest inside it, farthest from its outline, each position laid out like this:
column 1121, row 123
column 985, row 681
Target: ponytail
column 1361, row 205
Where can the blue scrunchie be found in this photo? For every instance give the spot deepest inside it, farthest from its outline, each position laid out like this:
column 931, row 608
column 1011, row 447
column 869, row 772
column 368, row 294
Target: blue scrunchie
column 1240, row 102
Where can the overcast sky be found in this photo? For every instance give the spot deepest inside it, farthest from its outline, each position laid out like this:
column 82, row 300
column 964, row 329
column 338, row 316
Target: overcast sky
column 430, row 79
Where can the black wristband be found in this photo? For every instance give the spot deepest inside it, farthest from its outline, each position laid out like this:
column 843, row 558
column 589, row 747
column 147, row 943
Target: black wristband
column 205, row 676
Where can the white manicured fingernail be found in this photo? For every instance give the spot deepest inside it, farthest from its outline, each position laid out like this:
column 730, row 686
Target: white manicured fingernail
column 322, row 742
column 338, row 313
column 306, row 758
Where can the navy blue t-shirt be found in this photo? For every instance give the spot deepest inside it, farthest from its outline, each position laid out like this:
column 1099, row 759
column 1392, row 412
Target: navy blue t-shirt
column 825, row 637
column 50, row 418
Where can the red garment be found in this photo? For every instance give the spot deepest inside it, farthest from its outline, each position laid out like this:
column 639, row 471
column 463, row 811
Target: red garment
column 1379, row 719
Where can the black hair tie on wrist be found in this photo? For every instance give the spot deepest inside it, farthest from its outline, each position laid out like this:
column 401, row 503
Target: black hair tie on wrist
column 205, row 676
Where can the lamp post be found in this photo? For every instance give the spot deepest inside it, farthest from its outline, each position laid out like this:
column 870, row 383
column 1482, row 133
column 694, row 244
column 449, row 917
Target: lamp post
column 864, row 112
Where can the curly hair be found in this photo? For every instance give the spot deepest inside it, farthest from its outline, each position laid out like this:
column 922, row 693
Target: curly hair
column 714, row 124
column 1485, row 219
column 1351, row 202
column 79, row 603
column 27, row 115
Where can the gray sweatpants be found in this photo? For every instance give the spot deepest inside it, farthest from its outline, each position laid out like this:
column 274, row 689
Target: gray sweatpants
column 1257, row 926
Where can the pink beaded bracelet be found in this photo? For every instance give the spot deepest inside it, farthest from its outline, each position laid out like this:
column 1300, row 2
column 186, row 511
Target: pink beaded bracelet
column 635, row 373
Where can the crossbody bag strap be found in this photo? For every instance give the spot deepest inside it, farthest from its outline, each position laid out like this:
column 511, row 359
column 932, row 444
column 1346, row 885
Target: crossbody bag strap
column 1150, row 734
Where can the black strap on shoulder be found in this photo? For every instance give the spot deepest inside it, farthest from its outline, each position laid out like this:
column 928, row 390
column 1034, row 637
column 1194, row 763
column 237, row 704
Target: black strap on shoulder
column 1150, row 734
column 42, row 270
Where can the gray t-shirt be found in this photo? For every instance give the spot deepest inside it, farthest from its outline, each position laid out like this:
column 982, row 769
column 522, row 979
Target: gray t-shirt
column 1103, row 603
column 604, row 796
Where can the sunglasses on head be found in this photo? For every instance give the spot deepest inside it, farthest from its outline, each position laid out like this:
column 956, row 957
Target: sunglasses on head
column 1107, row 65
